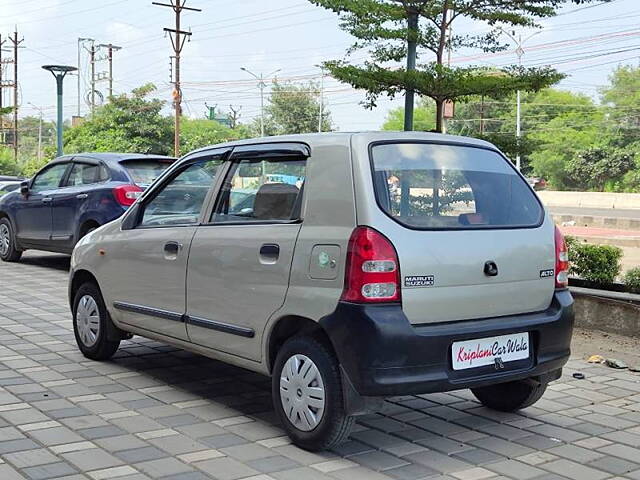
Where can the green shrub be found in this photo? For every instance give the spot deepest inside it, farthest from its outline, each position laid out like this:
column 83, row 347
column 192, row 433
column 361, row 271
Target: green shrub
column 596, row 263
column 632, row 278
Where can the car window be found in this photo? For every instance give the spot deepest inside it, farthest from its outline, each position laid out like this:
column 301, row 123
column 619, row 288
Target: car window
column 82, row 174
column 261, row 190
column 144, row 172
column 49, row 179
column 180, row 201
column 433, row 186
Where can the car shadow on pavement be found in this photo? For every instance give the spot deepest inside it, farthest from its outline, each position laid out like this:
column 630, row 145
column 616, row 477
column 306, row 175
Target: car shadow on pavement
column 53, row 261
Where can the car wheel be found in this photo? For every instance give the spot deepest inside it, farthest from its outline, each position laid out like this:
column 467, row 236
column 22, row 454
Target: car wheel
column 8, row 250
column 307, row 394
column 90, row 324
column 510, row 396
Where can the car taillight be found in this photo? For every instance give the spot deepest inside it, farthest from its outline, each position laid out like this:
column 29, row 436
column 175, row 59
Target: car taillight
column 562, row 261
column 372, row 271
column 126, row 195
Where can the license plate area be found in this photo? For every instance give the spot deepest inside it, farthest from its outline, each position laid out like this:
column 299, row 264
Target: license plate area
column 501, row 352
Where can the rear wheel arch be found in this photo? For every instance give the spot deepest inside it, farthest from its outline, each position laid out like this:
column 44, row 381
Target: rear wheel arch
column 86, row 227
column 290, row 326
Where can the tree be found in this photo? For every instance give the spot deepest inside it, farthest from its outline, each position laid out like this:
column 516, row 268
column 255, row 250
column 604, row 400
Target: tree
column 8, row 165
column 128, row 123
column 293, row 109
column 391, row 29
column 594, row 168
column 198, row 133
column 622, row 97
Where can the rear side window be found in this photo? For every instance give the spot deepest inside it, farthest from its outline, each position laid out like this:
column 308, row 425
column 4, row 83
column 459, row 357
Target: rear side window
column 430, row 186
column 262, row 191
column 144, row 172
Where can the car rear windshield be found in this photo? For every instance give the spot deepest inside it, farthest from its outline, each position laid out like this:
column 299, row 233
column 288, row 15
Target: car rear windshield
column 435, row 187
column 144, row 172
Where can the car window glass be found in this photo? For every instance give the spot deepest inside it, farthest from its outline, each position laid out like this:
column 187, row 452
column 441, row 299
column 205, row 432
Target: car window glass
column 180, row 201
column 82, row 174
column 49, row 179
column 261, row 190
column 434, row 186
column 103, row 174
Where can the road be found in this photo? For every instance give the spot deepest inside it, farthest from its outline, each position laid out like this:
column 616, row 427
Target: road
column 596, row 212
column 156, row 411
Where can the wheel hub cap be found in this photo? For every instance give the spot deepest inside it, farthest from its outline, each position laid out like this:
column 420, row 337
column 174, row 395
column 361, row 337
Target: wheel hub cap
column 302, row 393
column 88, row 320
column 5, row 239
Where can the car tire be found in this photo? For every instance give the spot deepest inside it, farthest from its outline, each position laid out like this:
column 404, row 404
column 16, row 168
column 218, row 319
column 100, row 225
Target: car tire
column 312, row 423
column 91, row 323
column 510, row 396
column 8, row 250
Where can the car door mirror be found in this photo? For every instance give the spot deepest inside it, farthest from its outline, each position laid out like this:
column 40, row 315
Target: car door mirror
column 24, row 188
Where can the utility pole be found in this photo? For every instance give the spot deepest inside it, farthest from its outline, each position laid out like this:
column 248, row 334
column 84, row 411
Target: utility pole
column 321, row 113
column 81, row 42
column 178, row 38
column 39, row 130
column 110, row 49
column 234, row 116
column 520, row 53
column 16, row 45
column 261, row 86
column 2, row 42
column 92, row 61
column 412, row 31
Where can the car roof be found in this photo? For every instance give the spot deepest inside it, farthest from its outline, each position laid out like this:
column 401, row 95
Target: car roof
column 346, row 137
column 112, row 157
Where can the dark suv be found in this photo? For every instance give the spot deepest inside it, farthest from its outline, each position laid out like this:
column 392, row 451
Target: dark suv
column 71, row 196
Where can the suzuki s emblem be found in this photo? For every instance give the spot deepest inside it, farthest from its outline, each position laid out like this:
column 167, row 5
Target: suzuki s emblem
column 499, row 364
column 490, row 268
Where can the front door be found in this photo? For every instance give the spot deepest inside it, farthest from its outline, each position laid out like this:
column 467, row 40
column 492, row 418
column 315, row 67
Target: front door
column 152, row 255
column 34, row 214
column 240, row 261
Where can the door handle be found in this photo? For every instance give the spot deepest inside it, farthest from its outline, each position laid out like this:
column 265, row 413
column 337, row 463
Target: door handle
column 47, row 200
column 82, row 196
column 269, row 253
column 172, row 248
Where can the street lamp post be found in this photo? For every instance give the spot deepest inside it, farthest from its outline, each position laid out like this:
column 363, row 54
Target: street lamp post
column 59, row 72
column 262, row 86
column 520, row 53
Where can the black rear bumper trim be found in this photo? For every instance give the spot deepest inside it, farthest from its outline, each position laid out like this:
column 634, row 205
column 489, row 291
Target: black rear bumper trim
column 384, row 355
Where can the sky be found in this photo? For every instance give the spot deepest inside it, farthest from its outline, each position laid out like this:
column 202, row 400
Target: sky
column 291, row 37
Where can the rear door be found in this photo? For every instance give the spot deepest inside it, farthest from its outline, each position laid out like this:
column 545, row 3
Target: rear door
column 34, row 220
column 240, row 261
column 470, row 233
column 70, row 200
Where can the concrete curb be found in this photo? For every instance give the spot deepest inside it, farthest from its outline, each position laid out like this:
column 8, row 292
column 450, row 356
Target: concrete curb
column 621, row 223
column 623, row 201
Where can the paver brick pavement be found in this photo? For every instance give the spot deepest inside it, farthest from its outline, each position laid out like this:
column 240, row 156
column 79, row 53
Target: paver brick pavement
column 156, row 411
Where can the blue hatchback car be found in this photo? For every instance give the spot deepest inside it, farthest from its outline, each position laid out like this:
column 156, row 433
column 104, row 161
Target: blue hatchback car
column 71, row 196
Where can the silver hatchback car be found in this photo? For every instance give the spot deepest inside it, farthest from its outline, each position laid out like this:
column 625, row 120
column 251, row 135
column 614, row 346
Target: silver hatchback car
column 348, row 267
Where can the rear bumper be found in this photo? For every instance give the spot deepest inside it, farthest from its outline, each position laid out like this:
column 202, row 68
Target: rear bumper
column 384, row 355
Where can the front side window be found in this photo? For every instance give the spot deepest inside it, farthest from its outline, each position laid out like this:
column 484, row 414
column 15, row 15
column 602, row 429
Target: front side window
column 181, row 200
column 262, row 191
column 433, row 186
column 82, row 174
column 49, row 179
